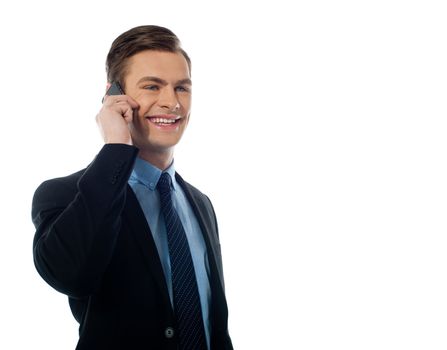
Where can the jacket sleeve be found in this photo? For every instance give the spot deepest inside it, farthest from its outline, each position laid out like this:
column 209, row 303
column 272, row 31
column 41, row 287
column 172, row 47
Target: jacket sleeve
column 78, row 220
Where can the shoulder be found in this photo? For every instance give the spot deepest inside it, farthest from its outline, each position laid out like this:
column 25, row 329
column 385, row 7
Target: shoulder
column 58, row 185
column 113, row 162
column 55, row 193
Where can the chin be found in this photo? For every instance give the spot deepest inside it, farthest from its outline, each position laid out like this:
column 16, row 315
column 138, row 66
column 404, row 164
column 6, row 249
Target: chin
column 157, row 147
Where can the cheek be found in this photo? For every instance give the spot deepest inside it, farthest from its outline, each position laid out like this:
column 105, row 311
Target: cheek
column 187, row 120
column 145, row 106
column 185, row 102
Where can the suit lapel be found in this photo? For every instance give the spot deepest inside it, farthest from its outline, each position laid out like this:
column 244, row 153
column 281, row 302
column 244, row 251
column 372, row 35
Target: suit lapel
column 207, row 228
column 219, row 309
column 143, row 235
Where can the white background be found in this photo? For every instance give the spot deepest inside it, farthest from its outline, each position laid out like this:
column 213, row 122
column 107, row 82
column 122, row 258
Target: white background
column 318, row 130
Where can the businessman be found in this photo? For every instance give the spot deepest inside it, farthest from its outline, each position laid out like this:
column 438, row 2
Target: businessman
column 133, row 245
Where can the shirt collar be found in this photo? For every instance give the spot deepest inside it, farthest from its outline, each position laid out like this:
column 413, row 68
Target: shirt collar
column 148, row 174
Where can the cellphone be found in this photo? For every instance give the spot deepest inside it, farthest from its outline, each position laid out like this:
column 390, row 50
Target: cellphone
column 114, row 89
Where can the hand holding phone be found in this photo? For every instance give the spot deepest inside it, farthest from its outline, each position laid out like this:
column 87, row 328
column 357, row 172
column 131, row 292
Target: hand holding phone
column 115, row 115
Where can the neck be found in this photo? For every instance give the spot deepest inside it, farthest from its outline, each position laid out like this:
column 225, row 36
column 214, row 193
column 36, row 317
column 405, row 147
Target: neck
column 161, row 160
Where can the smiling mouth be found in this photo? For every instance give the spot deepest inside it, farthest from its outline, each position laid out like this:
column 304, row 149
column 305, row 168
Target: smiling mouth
column 160, row 120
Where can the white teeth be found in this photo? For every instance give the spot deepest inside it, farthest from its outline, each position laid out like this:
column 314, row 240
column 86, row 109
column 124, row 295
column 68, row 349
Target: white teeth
column 163, row 120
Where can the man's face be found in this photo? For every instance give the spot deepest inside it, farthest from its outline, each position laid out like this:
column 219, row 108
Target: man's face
column 160, row 83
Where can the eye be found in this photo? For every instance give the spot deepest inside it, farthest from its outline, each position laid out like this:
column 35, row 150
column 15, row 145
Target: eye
column 151, row 87
column 182, row 89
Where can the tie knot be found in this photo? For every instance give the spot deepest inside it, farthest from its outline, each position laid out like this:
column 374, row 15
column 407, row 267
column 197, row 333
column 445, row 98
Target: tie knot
column 164, row 183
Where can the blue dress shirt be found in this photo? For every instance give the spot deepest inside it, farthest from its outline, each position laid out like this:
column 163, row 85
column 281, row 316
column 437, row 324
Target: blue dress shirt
column 143, row 180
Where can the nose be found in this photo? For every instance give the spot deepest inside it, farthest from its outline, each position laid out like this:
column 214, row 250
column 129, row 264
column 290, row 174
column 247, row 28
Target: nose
column 168, row 99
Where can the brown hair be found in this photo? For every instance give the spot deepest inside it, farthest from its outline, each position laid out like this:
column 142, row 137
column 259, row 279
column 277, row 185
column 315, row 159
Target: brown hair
column 148, row 37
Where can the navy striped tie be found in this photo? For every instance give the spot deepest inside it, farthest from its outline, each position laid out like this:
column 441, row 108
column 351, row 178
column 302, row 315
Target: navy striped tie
column 184, row 284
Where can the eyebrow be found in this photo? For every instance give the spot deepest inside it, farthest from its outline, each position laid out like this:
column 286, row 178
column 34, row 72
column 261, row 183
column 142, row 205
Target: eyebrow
column 164, row 82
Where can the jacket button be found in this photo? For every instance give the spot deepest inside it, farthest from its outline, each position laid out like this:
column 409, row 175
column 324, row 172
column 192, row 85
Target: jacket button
column 169, row 332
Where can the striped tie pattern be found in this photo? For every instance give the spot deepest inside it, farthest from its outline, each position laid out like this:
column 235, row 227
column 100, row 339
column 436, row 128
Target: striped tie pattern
column 184, row 284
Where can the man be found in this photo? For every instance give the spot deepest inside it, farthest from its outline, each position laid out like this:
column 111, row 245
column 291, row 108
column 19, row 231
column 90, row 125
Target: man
column 133, row 245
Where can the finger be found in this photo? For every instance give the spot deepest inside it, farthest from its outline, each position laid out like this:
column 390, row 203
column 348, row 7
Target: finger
column 117, row 99
column 134, row 104
column 110, row 100
column 104, row 98
column 123, row 107
column 128, row 115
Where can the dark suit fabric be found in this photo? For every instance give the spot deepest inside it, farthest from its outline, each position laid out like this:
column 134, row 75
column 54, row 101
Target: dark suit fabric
column 93, row 244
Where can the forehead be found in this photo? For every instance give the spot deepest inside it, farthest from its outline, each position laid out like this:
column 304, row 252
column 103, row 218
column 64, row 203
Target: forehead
column 165, row 65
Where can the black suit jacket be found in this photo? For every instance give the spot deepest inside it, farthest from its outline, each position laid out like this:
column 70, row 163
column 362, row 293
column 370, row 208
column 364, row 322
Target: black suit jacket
column 93, row 244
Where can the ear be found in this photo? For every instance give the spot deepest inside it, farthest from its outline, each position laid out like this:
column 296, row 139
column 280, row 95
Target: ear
column 108, row 85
